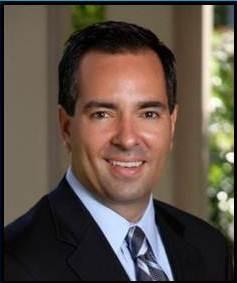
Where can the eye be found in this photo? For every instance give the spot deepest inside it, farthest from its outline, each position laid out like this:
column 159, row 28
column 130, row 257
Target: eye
column 151, row 115
column 99, row 115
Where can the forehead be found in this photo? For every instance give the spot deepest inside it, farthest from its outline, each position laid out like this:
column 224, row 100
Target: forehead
column 106, row 74
column 137, row 59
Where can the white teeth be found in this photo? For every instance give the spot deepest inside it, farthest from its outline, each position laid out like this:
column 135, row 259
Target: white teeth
column 126, row 164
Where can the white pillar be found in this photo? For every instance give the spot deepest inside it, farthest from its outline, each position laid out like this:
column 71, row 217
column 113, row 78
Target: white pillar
column 193, row 26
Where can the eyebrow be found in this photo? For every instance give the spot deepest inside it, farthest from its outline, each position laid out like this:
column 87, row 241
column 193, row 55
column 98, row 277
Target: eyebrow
column 99, row 104
column 152, row 104
column 140, row 105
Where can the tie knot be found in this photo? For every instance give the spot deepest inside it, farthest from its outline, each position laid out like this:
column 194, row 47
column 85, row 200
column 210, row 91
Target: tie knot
column 136, row 241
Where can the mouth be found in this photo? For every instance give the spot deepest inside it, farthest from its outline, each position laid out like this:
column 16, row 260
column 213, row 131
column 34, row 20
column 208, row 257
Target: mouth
column 126, row 164
column 126, row 168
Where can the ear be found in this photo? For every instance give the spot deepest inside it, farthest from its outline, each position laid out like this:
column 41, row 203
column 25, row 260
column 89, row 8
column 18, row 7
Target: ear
column 173, row 117
column 65, row 126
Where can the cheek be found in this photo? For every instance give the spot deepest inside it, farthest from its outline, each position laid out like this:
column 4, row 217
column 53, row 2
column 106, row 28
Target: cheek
column 158, row 139
column 88, row 141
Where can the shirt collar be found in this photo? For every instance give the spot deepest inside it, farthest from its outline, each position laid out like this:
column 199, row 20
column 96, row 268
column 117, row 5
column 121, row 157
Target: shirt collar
column 113, row 225
column 148, row 225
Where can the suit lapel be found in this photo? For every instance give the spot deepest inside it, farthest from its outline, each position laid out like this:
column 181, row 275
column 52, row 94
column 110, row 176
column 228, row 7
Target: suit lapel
column 185, row 260
column 93, row 259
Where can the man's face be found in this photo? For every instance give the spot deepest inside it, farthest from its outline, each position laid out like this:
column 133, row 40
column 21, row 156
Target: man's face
column 122, row 130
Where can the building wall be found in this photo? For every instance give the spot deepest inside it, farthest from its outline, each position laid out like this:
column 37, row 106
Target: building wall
column 34, row 158
column 25, row 108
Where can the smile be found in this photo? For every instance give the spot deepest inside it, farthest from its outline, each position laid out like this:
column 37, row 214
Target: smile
column 126, row 164
column 126, row 169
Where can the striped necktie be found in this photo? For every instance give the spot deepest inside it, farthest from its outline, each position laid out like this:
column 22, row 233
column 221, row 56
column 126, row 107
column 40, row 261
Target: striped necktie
column 146, row 266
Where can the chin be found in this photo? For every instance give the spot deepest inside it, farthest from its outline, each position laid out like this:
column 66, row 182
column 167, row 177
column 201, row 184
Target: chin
column 126, row 195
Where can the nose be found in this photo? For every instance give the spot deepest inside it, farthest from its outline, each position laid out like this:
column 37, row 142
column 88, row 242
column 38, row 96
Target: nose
column 125, row 136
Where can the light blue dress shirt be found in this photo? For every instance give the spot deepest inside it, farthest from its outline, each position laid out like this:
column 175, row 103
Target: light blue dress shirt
column 115, row 228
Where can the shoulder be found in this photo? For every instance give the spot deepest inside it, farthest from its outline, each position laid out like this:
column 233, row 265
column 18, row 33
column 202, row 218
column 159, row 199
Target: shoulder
column 42, row 236
column 37, row 221
column 19, row 229
column 23, row 240
column 192, row 228
column 24, row 222
column 193, row 233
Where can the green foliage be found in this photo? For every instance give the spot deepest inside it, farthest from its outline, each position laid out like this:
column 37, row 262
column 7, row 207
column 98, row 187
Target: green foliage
column 221, row 133
column 220, row 15
column 84, row 15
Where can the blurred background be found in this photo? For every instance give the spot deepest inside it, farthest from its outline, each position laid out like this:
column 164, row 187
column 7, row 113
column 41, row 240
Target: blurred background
column 198, row 177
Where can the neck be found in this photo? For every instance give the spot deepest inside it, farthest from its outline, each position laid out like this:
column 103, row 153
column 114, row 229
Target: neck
column 131, row 212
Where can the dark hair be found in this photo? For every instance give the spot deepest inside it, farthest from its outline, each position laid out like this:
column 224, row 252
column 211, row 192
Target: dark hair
column 110, row 37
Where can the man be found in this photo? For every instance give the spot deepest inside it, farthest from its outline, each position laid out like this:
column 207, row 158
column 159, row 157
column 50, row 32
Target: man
column 117, row 113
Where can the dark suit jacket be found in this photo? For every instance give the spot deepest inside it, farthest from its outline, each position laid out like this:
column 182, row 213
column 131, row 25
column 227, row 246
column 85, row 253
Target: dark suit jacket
column 58, row 240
